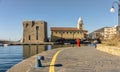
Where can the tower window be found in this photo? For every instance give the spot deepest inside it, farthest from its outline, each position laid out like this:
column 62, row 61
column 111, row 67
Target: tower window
column 81, row 25
column 29, row 37
column 26, row 25
column 52, row 32
column 33, row 23
column 37, row 28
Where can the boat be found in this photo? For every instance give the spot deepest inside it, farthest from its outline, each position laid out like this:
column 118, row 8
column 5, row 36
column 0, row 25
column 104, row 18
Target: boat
column 5, row 45
column 1, row 44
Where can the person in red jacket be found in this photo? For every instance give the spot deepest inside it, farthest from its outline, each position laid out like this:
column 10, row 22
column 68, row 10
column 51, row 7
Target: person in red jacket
column 78, row 42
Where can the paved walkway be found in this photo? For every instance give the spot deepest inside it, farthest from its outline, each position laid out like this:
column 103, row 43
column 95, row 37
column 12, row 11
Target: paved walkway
column 83, row 59
column 72, row 59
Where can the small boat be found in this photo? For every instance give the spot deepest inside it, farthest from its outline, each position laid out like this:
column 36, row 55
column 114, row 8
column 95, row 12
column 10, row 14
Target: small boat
column 5, row 45
column 1, row 44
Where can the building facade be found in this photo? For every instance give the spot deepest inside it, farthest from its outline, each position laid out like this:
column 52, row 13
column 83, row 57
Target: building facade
column 118, row 30
column 34, row 32
column 110, row 32
column 69, row 32
column 104, row 33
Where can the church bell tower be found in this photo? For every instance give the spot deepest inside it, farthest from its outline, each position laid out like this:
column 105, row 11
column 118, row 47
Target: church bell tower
column 80, row 24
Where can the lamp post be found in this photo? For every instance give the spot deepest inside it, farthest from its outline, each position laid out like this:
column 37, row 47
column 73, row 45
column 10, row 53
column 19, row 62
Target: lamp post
column 113, row 10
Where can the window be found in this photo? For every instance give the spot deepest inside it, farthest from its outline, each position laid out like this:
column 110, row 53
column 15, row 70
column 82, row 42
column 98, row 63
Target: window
column 26, row 25
column 33, row 23
column 29, row 37
column 80, row 25
column 36, row 35
column 52, row 32
column 37, row 28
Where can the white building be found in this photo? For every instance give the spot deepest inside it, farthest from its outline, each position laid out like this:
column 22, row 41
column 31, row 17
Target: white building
column 110, row 32
column 104, row 33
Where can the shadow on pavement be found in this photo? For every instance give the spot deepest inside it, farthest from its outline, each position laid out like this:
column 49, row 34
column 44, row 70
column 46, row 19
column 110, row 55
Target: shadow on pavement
column 56, row 65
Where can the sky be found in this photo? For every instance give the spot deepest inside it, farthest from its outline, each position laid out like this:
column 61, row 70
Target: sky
column 57, row 13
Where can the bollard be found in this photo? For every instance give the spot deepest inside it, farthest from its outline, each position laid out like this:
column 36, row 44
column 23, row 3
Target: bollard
column 39, row 58
column 78, row 42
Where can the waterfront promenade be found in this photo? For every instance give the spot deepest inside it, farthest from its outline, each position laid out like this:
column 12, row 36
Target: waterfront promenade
column 72, row 59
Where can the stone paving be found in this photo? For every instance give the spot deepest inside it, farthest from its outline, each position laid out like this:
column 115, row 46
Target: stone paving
column 83, row 59
column 87, row 59
column 30, row 63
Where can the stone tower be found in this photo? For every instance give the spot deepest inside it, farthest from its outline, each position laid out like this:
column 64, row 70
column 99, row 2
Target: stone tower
column 34, row 32
column 80, row 24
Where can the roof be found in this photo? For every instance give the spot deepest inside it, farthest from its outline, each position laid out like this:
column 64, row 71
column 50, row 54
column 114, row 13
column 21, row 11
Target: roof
column 101, row 29
column 66, row 29
column 63, row 28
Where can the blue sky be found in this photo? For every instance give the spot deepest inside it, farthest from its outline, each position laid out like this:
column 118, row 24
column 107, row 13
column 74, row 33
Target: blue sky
column 57, row 13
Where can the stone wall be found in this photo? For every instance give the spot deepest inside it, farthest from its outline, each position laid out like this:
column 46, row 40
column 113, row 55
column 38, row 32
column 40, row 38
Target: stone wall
column 109, row 49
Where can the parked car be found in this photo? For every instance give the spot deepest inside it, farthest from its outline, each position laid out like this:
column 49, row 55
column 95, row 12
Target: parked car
column 85, row 41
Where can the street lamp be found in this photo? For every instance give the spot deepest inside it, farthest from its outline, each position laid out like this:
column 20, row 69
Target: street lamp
column 113, row 10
